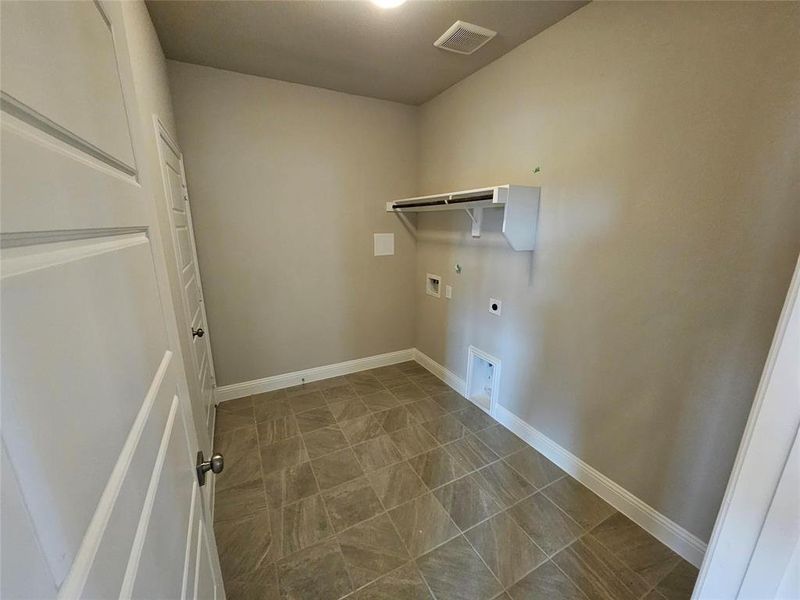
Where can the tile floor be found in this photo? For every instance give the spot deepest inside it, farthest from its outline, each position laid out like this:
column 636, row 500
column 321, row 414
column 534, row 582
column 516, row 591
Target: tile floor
column 386, row 484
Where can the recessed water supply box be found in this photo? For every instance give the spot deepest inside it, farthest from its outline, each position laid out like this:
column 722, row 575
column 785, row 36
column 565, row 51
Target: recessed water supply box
column 483, row 379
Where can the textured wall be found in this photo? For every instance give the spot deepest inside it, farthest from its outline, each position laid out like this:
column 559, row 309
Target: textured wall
column 635, row 334
column 287, row 185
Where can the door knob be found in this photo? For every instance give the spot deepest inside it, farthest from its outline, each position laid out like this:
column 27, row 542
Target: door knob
column 215, row 464
column 198, row 332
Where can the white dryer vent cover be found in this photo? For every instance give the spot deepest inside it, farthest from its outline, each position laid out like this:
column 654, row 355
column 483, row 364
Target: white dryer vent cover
column 464, row 38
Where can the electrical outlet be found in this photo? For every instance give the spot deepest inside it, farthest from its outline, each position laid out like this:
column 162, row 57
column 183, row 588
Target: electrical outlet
column 448, row 291
column 495, row 306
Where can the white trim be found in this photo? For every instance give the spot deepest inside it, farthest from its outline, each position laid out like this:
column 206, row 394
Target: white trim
column 450, row 378
column 277, row 382
column 659, row 526
column 147, row 509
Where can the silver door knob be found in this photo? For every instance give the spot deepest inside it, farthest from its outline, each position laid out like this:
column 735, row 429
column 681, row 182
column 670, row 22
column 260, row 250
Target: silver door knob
column 215, row 464
column 198, row 332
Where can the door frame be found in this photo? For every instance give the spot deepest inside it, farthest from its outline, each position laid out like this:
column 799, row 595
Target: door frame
column 760, row 463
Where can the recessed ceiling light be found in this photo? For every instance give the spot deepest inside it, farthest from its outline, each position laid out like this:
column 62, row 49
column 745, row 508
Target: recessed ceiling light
column 388, row 3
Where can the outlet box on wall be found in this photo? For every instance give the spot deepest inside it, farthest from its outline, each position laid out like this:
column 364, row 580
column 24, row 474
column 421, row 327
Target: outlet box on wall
column 433, row 285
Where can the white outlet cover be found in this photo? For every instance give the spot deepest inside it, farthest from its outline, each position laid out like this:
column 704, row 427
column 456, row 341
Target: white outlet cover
column 448, row 291
column 383, row 244
column 495, row 306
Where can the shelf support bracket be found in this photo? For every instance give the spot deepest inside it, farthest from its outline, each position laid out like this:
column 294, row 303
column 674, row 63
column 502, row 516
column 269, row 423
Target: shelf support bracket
column 476, row 216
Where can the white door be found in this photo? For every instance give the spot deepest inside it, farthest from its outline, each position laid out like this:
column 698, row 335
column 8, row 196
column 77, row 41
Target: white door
column 99, row 494
column 755, row 546
column 180, row 219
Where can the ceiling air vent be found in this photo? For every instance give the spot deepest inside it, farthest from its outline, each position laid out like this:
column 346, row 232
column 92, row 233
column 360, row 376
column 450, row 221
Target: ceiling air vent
column 464, row 38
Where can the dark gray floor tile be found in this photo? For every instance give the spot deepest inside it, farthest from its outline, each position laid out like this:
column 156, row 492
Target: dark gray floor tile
column 410, row 367
column 377, row 453
column 423, row 524
column 466, row 502
column 425, row 410
column 547, row 582
column 679, row 583
column 269, row 410
column 324, row 441
column 404, row 583
column 258, row 585
column 437, row 467
column 445, row 429
column 390, row 376
column 316, row 418
column 360, row 377
column 644, row 554
column 655, row 595
column 234, row 414
column 474, row 419
column 455, row 572
column 395, row 418
column 338, row 393
column 238, row 443
column 550, row 527
column 365, row 387
column 304, row 523
column 361, row 429
column 378, row 401
column 371, row 549
column 239, row 500
column 471, row 452
column 598, row 573
column 344, row 410
column 285, row 453
column 409, row 392
column 351, row 503
column 303, row 388
column 308, row 401
column 579, row 502
column 431, row 384
column 452, row 401
column 289, row 485
column 336, row 468
column 413, row 440
column 242, row 464
column 505, row 548
column 500, row 440
column 246, row 544
column 277, row 430
column 504, row 483
column 316, row 573
column 534, row 467
column 396, row 484
column 268, row 396
column 331, row 382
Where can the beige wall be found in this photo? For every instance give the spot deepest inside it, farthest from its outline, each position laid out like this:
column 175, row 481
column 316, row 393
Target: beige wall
column 287, row 184
column 635, row 334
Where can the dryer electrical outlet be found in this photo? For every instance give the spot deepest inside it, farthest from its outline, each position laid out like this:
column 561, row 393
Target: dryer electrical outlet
column 495, row 306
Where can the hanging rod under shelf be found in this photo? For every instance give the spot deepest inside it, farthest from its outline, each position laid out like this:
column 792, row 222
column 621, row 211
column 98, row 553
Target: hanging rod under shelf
column 520, row 204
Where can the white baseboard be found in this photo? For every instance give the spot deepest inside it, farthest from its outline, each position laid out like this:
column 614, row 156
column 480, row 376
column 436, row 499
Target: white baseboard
column 277, row 382
column 450, row 378
column 662, row 528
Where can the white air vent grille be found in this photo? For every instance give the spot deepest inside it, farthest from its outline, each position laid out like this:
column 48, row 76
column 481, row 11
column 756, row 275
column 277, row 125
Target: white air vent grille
column 464, row 38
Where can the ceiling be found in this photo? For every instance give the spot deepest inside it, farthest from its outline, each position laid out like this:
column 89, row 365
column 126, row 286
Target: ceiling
column 349, row 46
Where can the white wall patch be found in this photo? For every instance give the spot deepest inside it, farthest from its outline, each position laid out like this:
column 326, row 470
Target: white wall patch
column 384, row 244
